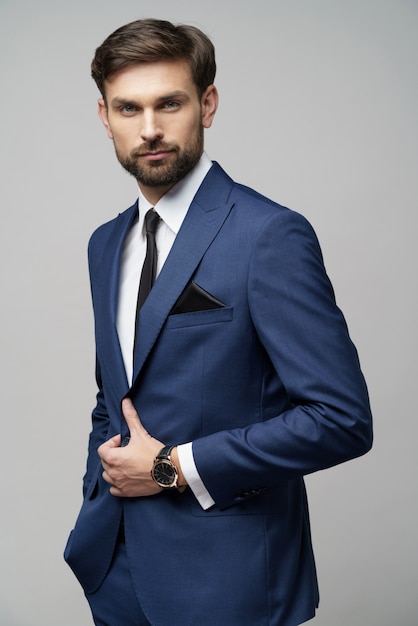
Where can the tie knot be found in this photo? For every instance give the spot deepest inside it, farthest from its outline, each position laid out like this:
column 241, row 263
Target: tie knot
column 151, row 221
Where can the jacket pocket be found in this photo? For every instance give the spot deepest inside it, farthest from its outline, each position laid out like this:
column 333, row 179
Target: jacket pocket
column 199, row 318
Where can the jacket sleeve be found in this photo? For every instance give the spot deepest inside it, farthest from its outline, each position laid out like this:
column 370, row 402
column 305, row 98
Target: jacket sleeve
column 306, row 339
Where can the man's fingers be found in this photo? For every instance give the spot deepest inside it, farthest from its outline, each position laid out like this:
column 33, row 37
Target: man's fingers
column 114, row 442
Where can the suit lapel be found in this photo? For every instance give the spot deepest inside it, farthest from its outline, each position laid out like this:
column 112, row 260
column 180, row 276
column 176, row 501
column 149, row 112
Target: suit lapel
column 106, row 302
column 202, row 223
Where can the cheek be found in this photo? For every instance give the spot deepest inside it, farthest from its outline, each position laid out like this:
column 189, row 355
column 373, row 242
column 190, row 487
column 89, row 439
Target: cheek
column 125, row 138
column 190, row 132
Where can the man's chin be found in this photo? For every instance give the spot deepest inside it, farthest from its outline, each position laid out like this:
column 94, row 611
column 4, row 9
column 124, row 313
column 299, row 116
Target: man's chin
column 157, row 179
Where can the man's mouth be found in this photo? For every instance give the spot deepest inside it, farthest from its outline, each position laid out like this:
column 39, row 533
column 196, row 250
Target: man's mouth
column 156, row 155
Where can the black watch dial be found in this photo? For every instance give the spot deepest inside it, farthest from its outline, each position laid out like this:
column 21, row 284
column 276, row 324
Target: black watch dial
column 164, row 473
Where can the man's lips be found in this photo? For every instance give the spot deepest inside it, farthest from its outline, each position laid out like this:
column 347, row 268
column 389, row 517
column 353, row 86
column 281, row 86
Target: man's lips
column 155, row 156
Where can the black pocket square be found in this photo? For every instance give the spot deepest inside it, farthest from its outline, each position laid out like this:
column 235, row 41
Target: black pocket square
column 195, row 298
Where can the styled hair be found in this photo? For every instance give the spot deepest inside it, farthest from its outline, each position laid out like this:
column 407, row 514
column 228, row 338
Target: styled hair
column 148, row 40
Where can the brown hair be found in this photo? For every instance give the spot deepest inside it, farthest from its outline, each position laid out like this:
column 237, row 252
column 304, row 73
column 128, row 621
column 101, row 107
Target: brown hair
column 149, row 40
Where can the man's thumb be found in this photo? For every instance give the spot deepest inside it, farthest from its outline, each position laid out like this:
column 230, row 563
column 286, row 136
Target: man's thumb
column 131, row 416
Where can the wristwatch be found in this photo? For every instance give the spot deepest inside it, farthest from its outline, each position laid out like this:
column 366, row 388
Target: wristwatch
column 164, row 472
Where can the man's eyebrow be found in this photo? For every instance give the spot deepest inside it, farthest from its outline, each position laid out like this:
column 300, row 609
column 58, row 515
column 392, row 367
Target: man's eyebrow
column 118, row 101
column 173, row 96
column 122, row 102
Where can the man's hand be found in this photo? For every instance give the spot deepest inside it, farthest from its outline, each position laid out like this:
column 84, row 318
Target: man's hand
column 128, row 469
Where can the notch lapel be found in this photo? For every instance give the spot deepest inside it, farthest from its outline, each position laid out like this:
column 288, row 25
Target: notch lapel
column 204, row 219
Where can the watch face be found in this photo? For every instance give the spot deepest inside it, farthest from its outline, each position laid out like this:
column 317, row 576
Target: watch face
column 164, row 473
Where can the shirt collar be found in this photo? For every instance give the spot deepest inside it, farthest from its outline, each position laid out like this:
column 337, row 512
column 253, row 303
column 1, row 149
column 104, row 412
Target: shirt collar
column 173, row 206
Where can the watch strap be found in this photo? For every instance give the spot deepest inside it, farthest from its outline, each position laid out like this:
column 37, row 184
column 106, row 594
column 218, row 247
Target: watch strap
column 164, row 453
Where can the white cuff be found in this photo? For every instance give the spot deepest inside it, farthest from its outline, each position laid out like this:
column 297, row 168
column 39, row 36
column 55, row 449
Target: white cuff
column 189, row 469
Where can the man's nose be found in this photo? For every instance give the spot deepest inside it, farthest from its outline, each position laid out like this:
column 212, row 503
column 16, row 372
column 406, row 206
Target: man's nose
column 150, row 130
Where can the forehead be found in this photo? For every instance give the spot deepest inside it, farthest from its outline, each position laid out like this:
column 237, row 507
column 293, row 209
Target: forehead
column 150, row 80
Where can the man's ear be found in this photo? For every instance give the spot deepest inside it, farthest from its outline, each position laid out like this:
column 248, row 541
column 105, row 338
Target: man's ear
column 209, row 102
column 102, row 111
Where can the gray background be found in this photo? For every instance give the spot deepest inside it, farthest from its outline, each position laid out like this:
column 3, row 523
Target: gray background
column 318, row 111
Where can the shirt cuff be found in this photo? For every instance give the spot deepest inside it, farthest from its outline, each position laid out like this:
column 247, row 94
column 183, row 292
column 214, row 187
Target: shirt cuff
column 189, row 469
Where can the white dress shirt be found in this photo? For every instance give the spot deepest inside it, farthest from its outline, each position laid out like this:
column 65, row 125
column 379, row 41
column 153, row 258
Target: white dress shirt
column 172, row 209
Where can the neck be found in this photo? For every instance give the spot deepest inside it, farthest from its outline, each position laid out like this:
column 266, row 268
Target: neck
column 154, row 194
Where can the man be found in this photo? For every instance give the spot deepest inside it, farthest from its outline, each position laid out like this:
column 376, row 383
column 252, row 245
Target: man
column 236, row 380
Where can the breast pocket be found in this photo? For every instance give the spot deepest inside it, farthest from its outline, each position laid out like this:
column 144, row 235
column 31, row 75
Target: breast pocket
column 199, row 318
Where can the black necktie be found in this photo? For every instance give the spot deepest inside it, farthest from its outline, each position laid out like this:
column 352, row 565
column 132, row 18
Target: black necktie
column 150, row 264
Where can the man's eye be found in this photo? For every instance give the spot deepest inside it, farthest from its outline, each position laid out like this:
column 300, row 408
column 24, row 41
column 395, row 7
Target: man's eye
column 128, row 109
column 170, row 105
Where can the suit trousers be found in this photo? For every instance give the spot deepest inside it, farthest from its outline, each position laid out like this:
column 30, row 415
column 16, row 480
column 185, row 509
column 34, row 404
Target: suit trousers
column 115, row 602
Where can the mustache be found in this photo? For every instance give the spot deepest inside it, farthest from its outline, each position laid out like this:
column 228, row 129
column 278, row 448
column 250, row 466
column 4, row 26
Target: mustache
column 154, row 146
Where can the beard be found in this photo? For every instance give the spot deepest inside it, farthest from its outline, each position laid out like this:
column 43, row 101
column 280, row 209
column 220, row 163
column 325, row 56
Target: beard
column 167, row 171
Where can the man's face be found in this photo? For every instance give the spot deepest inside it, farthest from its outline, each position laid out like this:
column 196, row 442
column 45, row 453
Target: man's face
column 156, row 120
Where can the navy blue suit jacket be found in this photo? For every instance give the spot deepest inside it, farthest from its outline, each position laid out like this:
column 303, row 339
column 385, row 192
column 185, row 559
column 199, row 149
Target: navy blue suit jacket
column 268, row 387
